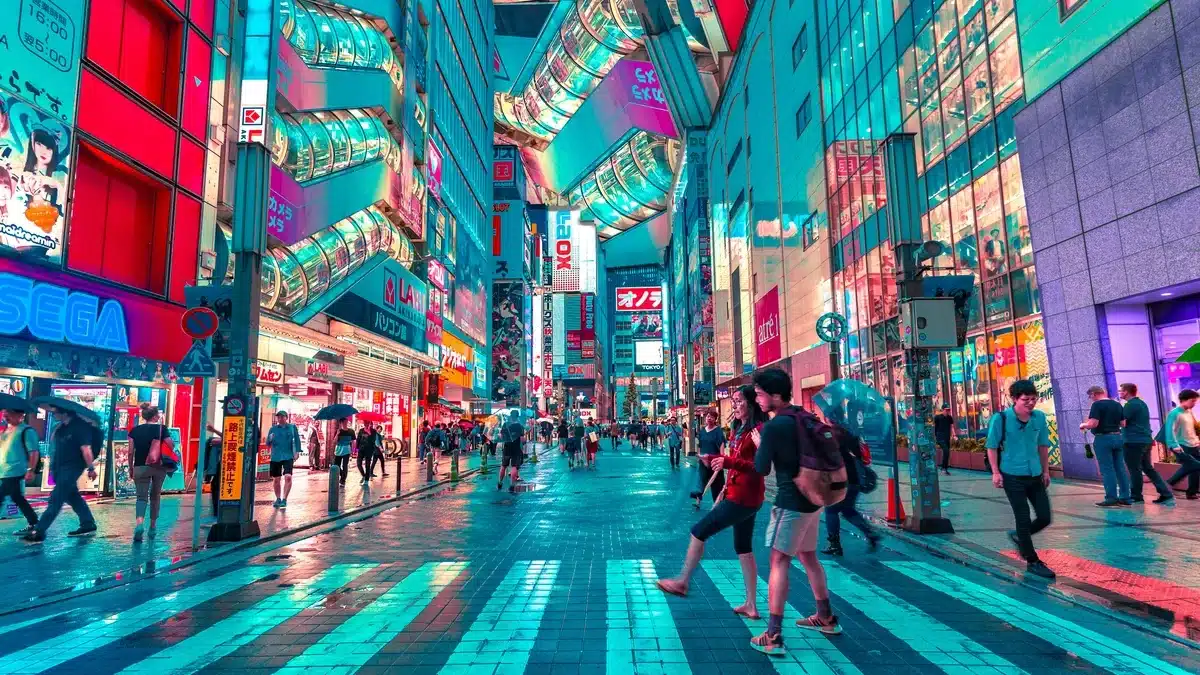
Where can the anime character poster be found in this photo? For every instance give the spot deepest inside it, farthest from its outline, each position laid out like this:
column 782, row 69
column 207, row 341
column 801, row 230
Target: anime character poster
column 35, row 151
column 508, row 340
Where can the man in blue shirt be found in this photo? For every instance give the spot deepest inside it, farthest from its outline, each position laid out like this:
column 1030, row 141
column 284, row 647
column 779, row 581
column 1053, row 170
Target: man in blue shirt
column 1018, row 447
column 284, row 441
column 1137, row 439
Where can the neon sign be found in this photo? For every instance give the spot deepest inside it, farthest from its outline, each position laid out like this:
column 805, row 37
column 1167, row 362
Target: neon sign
column 57, row 314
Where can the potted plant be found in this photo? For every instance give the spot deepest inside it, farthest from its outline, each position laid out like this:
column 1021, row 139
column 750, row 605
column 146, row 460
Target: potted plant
column 960, row 452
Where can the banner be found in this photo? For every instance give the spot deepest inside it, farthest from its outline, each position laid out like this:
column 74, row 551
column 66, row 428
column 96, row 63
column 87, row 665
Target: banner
column 646, row 325
column 41, row 41
column 766, row 328
column 434, row 167
column 564, row 255
column 34, row 177
column 458, row 361
column 639, row 298
column 390, row 302
column 508, row 341
column 547, row 346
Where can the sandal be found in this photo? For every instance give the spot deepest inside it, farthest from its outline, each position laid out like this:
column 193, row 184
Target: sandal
column 670, row 586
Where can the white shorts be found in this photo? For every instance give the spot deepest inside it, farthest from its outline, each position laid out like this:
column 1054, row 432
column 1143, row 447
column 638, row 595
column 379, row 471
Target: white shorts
column 793, row 532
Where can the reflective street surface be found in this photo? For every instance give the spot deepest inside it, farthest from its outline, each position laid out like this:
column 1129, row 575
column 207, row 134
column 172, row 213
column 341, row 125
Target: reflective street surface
column 559, row 579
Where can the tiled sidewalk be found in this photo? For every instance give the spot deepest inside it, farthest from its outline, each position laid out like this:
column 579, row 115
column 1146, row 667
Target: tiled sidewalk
column 1103, row 553
column 61, row 563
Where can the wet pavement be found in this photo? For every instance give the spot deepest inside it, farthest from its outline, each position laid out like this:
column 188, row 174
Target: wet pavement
column 558, row 580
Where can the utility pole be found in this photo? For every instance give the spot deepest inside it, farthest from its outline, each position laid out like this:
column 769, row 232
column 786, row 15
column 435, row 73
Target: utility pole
column 904, row 226
column 252, row 192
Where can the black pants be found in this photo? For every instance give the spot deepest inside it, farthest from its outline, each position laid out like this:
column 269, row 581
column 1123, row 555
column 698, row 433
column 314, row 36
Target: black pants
column 676, row 450
column 343, row 465
column 1137, row 460
column 706, row 473
column 727, row 514
column 944, row 444
column 1021, row 492
column 1189, row 465
column 214, row 491
column 11, row 488
column 369, row 458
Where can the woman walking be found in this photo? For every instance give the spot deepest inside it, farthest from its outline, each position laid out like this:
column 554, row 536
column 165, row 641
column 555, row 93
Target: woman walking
column 851, row 448
column 743, row 496
column 148, row 474
column 344, row 441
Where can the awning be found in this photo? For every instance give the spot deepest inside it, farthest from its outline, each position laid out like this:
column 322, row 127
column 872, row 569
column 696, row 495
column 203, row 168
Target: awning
column 451, row 406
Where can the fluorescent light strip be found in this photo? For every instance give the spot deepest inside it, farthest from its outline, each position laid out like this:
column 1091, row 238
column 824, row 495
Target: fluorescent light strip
column 224, row 637
column 1093, row 647
column 506, row 628
column 938, row 643
column 641, row 633
column 348, row 647
column 62, row 648
column 807, row 651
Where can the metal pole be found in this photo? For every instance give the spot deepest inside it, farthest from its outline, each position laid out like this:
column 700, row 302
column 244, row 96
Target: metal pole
column 399, row 468
column 201, row 461
column 334, row 491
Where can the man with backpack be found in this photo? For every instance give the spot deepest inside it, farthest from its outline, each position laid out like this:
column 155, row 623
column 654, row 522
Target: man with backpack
column 18, row 459
column 674, row 435
column 794, row 442
column 860, row 478
column 513, row 455
column 1018, row 448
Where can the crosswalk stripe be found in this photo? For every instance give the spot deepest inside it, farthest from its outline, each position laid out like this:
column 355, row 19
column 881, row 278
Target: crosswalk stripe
column 641, row 634
column 224, row 637
column 938, row 643
column 808, row 652
column 502, row 636
column 348, row 647
column 60, row 649
column 8, row 628
column 1097, row 649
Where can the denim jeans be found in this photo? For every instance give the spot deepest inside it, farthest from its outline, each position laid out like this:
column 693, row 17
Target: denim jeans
column 1189, row 465
column 1137, row 459
column 66, row 491
column 1110, row 455
column 12, row 488
column 846, row 509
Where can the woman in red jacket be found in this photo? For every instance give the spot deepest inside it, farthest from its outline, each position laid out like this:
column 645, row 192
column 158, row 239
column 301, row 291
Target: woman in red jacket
column 743, row 496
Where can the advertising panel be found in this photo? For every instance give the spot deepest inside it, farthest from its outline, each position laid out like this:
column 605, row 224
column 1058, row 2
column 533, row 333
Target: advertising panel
column 547, row 346
column 648, row 356
column 535, row 340
column 434, row 166
column 510, row 245
column 768, row 346
column 390, row 302
column 408, row 195
column 458, row 361
column 508, row 340
column 587, row 329
column 470, row 295
column 41, row 41
column 639, row 298
column 645, row 325
column 565, row 257
column 35, row 153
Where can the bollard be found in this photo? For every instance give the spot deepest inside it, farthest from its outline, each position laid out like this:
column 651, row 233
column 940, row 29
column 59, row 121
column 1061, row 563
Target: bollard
column 430, row 454
column 454, row 466
column 484, row 470
column 334, row 470
column 533, row 453
column 399, row 466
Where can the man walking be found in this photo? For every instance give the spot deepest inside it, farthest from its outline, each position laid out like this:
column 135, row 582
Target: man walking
column 74, row 441
column 18, row 457
column 1018, row 447
column 943, row 434
column 368, row 446
column 1136, row 445
column 513, row 456
column 1182, row 439
column 674, row 441
column 1104, row 420
column 795, row 521
column 284, row 441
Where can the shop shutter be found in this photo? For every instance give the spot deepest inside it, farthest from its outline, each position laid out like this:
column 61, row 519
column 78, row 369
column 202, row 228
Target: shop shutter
column 377, row 374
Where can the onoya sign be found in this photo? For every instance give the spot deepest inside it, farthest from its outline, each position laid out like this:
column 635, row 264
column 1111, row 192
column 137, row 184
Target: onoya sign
column 639, row 298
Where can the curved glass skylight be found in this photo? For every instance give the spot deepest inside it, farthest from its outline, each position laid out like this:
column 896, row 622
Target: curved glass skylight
column 311, row 145
column 295, row 275
column 334, row 38
column 630, row 185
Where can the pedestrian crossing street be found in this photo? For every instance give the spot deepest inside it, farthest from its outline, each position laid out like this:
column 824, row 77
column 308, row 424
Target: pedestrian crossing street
column 237, row 621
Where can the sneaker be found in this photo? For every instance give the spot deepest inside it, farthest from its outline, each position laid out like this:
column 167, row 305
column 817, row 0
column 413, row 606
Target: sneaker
column 23, row 531
column 1126, row 502
column 151, row 532
column 828, row 625
column 500, row 485
column 277, row 502
column 512, row 489
column 82, row 531
column 34, row 536
column 1165, row 499
column 137, row 533
column 873, row 542
column 1137, row 500
column 1109, row 503
column 283, row 503
column 771, row 645
column 1012, row 536
column 1038, row 568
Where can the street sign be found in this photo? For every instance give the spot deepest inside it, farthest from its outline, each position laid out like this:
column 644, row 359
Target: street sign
column 235, row 406
column 197, row 362
column 220, row 300
column 232, row 457
column 199, row 323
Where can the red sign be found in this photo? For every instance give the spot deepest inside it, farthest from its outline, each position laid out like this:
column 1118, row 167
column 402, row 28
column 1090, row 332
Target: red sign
column 496, row 248
column 252, row 115
column 502, row 171
column 639, row 298
column 437, row 274
column 199, row 323
column 766, row 328
column 267, row 372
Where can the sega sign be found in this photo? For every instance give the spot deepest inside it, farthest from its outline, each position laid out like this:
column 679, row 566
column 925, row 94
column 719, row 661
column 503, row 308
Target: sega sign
column 56, row 313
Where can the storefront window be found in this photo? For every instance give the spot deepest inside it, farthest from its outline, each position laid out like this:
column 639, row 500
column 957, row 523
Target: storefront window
column 926, row 51
column 997, row 305
column 954, row 115
column 1035, row 366
column 945, row 23
column 909, row 94
column 1027, row 299
column 939, row 230
column 962, row 214
column 990, row 224
column 931, row 132
column 979, row 95
column 1006, row 65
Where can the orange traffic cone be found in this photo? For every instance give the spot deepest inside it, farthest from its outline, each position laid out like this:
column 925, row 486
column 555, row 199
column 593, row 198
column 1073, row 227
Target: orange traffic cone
column 893, row 502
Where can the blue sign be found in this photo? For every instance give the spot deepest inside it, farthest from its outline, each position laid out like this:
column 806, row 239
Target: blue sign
column 54, row 313
column 390, row 302
column 197, row 362
column 41, row 41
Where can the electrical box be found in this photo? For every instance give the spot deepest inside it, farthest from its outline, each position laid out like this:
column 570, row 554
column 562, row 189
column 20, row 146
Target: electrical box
column 929, row 323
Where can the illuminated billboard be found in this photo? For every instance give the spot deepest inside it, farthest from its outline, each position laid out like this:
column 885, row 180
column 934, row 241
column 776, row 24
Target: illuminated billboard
column 35, row 151
column 639, row 298
column 564, row 252
column 648, row 355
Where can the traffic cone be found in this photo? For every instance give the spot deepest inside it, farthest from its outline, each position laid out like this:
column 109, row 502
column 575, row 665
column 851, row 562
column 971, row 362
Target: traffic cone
column 892, row 502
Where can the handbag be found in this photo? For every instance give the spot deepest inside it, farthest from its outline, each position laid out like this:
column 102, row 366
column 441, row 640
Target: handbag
column 1087, row 448
column 162, row 452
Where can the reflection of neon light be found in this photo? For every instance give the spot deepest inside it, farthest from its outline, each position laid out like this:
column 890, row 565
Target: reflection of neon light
column 57, row 314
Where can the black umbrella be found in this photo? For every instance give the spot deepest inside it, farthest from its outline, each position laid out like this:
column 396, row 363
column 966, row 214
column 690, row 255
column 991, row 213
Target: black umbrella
column 10, row 402
column 66, row 405
column 336, row 411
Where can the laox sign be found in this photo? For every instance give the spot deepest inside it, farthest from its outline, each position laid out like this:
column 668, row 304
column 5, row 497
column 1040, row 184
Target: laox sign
column 563, row 245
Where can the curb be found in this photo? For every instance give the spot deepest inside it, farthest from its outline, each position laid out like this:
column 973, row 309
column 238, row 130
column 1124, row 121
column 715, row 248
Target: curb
column 125, row 577
column 1076, row 597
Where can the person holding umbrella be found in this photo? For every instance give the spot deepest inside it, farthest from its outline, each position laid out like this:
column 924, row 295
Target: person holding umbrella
column 18, row 456
column 344, row 440
column 74, row 441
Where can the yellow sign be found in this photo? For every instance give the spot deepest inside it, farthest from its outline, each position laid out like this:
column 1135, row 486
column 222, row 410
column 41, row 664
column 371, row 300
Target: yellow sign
column 231, row 458
column 458, row 361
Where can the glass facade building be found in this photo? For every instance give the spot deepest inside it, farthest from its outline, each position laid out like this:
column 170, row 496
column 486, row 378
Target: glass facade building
column 312, row 145
column 629, row 186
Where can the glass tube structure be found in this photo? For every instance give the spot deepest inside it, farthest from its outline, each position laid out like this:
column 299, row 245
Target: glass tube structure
column 312, row 145
column 329, row 37
column 630, row 185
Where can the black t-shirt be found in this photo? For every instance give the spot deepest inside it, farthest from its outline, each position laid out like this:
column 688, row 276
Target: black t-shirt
column 942, row 424
column 367, row 440
column 562, row 430
column 514, row 432
column 1110, row 415
column 344, row 436
column 141, row 436
column 780, row 449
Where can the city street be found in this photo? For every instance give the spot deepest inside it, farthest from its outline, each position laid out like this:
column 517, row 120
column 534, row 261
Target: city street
column 559, row 579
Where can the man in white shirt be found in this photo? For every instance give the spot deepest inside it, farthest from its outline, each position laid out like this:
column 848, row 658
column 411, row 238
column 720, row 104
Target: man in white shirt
column 1182, row 439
